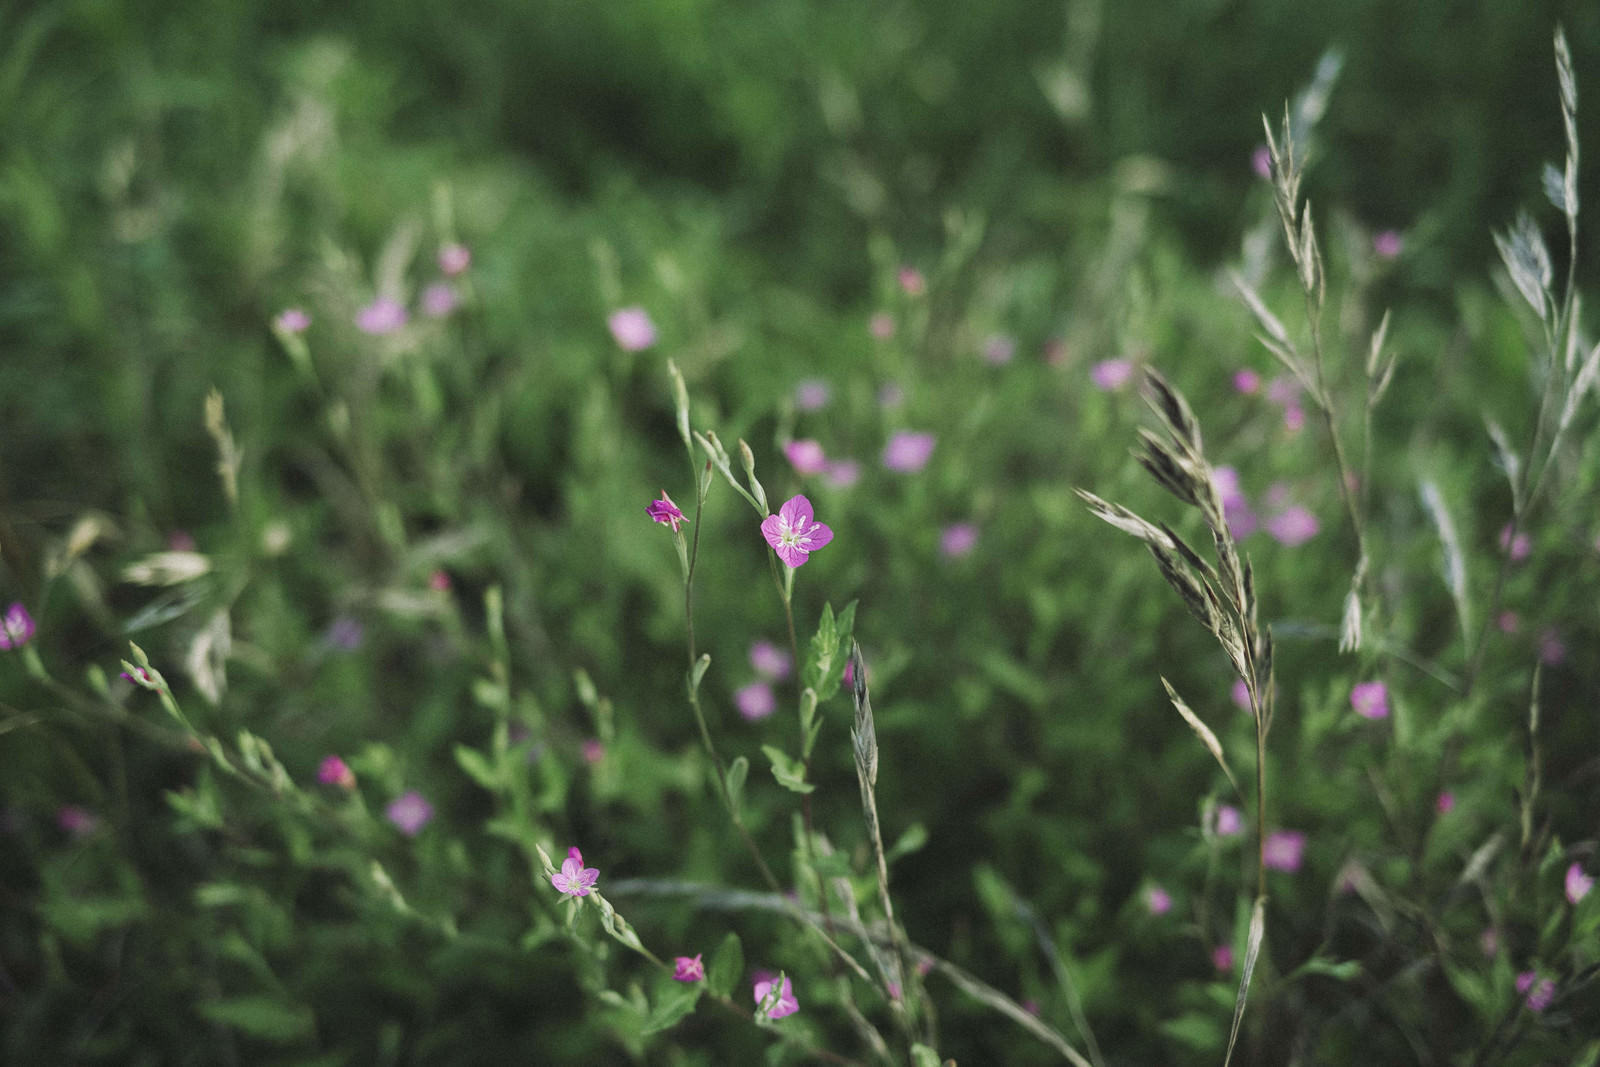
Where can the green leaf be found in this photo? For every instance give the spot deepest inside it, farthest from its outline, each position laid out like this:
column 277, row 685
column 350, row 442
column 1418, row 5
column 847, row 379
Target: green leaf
column 698, row 672
column 478, row 768
column 727, row 964
column 824, row 645
column 789, row 772
column 673, row 1006
column 738, row 771
column 923, row 1056
column 267, row 1018
column 912, row 840
column 832, row 865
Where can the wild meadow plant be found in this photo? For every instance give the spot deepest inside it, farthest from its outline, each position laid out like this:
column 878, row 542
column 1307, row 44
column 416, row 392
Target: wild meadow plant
column 424, row 752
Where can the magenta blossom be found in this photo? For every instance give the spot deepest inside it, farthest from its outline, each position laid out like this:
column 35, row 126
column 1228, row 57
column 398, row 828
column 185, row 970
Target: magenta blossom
column 1578, row 884
column 1247, row 381
column 755, row 701
column 632, row 329
column 1158, row 900
column 334, row 771
column 806, row 456
column 1111, row 374
column 1261, row 162
column 666, row 512
column 881, row 326
column 1539, row 991
column 688, row 968
column 999, row 349
column 793, row 533
column 1445, row 803
column 911, row 281
column 1388, row 244
column 775, row 997
column 410, row 812
column 812, row 395
column 908, row 452
column 842, row 473
column 1284, row 850
column 771, row 662
column 1371, row 700
column 1293, row 526
column 593, row 749
column 384, row 315
column 1517, row 546
column 1222, row 958
column 958, row 539
column 76, row 820
column 1240, row 694
column 292, row 320
column 575, row 879
column 1228, row 822
column 439, row 299
column 454, row 259
column 16, row 627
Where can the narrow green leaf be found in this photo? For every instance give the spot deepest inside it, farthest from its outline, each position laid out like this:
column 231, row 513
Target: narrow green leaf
column 1252, row 952
column 727, row 964
column 738, row 771
column 911, row 840
column 923, row 1056
column 267, row 1018
column 478, row 768
column 789, row 772
column 672, row 1007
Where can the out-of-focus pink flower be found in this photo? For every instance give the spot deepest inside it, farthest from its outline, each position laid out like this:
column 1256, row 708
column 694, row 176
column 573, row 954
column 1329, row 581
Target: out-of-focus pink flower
column 812, row 395
column 1292, row 526
column 687, row 968
column 16, row 627
column 181, row 541
column 806, row 456
column 1247, row 381
column 999, row 349
column 842, row 473
column 1284, row 850
column 575, row 879
column 439, row 299
column 1388, row 244
column 1539, row 992
column 775, row 997
column 1236, row 509
column 292, row 320
column 439, row 582
column 1241, row 694
column 75, row 820
column 958, row 539
column 1510, row 622
column 454, row 259
column 384, row 315
column 1446, row 803
column 410, row 812
column 755, row 701
column 1261, row 162
column 1552, row 649
column 593, row 750
column 334, row 771
column 1370, row 700
column 881, row 325
column 770, row 661
column 1229, row 821
column 911, row 281
column 1489, row 942
column 632, row 329
column 1158, row 900
column 1517, row 546
column 908, row 452
column 1578, row 884
column 1110, row 374
column 1222, row 959
column 794, row 532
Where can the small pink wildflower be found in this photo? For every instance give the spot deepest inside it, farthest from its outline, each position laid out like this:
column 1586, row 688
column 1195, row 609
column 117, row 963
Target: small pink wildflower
column 1284, row 850
column 292, row 320
column 1158, row 900
column 1235, row 507
column 181, row 541
column 1578, row 884
column 999, row 349
column 687, row 968
column 1518, row 547
column 1111, row 374
column 794, row 533
column 1261, row 162
column 1370, row 700
column 958, row 539
column 1247, row 381
column 755, row 701
column 842, row 473
column 384, row 315
column 632, row 329
column 812, row 395
column 334, row 771
column 881, row 325
column 1293, row 526
column 908, row 452
column 1229, row 821
column 1294, row 418
column 1552, row 649
column 439, row 299
column 593, row 750
column 1539, row 991
column 575, row 879
column 439, row 582
column 16, row 627
column 770, row 661
column 775, row 997
column 666, row 512
column 1489, row 942
column 1446, row 803
column 1222, row 959
column 77, row 821
column 410, row 812
column 806, row 456
column 1388, row 244
column 454, row 259
column 911, row 281
column 1241, row 694
column 1510, row 622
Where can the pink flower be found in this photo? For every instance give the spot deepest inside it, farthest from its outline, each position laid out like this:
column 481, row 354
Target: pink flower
column 16, row 627
column 1241, row 694
column 1292, row 526
column 1261, row 162
column 1284, row 850
column 755, row 701
column 1510, row 622
column 806, row 457
column 384, row 315
column 999, row 349
column 686, row 968
column 1540, row 991
column 1247, row 381
column 575, row 879
column 958, row 539
column 1446, row 803
column 911, row 281
column 793, row 533
column 775, row 997
column 1551, row 648
column 812, row 395
column 439, row 299
column 666, row 512
column 75, row 820
column 908, row 452
column 771, row 662
column 842, row 473
column 410, row 812
column 1370, row 700
column 593, row 749
column 1517, row 547
column 292, row 320
column 1222, row 958
column 1388, row 244
column 439, row 582
column 881, row 325
column 632, row 329
column 1111, row 374
column 1578, row 884
column 1489, row 942
column 1235, row 507
column 454, row 259
column 1158, row 900
column 334, row 771
column 1229, row 821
